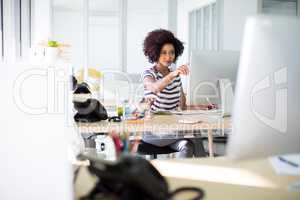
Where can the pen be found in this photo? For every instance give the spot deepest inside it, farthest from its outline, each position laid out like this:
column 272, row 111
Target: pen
column 287, row 161
column 208, row 101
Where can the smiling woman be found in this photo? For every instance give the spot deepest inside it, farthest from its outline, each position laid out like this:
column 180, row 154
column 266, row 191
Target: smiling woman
column 162, row 86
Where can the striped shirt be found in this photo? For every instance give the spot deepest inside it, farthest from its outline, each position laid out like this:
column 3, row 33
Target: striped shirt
column 169, row 97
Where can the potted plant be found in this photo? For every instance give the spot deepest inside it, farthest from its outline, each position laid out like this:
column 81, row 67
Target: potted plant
column 52, row 50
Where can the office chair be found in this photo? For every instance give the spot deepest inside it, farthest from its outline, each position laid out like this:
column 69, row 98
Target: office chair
column 93, row 77
column 149, row 149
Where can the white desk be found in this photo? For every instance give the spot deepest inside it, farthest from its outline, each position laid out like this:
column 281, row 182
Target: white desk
column 220, row 178
column 160, row 124
column 227, row 180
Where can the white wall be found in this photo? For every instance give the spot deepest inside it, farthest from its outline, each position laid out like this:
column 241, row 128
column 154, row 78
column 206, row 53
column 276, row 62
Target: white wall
column 183, row 9
column 235, row 14
column 234, row 18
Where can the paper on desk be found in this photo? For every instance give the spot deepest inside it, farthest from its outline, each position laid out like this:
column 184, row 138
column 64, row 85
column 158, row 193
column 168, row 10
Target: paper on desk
column 197, row 112
column 283, row 168
column 189, row 121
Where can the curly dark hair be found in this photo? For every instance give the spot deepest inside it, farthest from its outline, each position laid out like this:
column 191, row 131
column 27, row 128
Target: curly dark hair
column 155, row 40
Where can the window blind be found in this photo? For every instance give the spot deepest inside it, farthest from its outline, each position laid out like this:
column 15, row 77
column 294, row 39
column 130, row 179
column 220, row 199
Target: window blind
column 280, row 7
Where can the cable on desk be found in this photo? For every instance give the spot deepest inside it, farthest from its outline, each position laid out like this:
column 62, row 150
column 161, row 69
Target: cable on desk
column 200, row 192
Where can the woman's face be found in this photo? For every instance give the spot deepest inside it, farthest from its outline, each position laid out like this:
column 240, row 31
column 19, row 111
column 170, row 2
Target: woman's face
column 167, row 55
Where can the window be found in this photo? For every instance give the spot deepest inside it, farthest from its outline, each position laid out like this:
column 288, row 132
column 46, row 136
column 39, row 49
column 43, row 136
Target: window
column 116, row 30
column 203, row 28
column 281, row 7
column 71, row 32
column 92, row 30
column 15, row 36
column 103, row 36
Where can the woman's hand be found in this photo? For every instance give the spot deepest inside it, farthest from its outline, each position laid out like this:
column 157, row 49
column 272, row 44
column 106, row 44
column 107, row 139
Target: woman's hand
column 157, row 86
column 150, row 100
column 182, row 70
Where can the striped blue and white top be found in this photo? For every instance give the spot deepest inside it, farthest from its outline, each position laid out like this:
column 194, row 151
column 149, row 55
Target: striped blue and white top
column 169, row 97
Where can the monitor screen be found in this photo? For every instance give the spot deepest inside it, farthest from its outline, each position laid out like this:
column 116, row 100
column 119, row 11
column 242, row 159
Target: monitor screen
column 266, row 108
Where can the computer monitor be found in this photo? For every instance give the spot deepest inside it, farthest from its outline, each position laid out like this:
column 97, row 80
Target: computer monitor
column 266, row 110
column 206, row 68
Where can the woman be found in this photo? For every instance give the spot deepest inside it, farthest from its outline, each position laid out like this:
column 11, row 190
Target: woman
column 162, row 84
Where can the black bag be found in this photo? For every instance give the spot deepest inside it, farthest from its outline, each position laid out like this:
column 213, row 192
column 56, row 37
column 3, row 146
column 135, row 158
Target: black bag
column 89, row 111
column 82, row 88
column 131, row 178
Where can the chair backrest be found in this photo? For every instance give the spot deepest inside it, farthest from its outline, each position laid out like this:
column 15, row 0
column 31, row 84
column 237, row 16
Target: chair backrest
column 149, row 149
